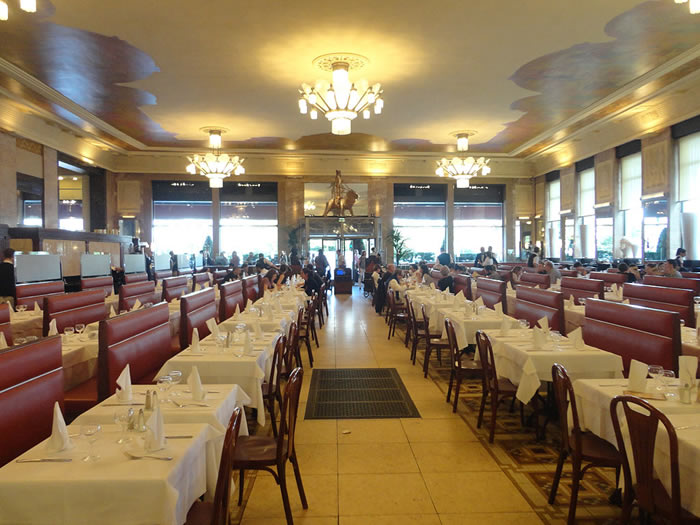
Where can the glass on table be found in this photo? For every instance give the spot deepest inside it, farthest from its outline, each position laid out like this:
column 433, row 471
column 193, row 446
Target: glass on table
column 91, row 433
column 582, row 301
column 696, row 300
column 121, row 418
column 175, row 377
column 164, row 383
column 667, row 378
column 69, row 331
column 656, row 371
column 80, row 328
column 556, row 337
column 238, row 334
column 21, row 307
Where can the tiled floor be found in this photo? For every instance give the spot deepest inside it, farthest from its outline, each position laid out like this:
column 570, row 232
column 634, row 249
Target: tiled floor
column 437, row 469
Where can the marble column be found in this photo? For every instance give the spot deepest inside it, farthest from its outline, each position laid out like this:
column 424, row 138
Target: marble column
column 216, row 220
column 50, row 165
column 450, row 219
column 8, row 179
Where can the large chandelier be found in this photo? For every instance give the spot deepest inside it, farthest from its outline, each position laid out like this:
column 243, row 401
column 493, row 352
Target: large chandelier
column 340, row 101
column 216, row 166
column 25, row 5
column 462, row 170
column 693, row 5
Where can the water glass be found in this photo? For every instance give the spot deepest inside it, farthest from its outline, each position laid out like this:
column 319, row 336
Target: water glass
column 556, row 338
column 667, row 378
column 696, row 300
column 23, row 307
column 164, row 383
column 121, row 418
column 91, row 435
column 69, row 331
column 176, row 378
column 80, row 328
column 582, row 301
column 656, row 371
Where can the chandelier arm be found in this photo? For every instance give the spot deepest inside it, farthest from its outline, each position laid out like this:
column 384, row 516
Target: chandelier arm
column 359, row 100
column 322, row 99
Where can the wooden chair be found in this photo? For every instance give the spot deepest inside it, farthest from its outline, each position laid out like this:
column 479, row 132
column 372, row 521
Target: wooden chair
column 270, row 453
column 433, row 341
column 498, row 388
column 417, row 331
column 307, row 330
column 460, row 366
column 324, row 297
column 271, row 388
column 581, row 446
column 291, row 351
column 217, row 512
column 652, row 497
column 318, row 310
column 397, row 312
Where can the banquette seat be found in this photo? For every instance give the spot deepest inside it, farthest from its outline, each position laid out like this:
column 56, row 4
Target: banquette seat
column 663, row 298
column 582, row 288
column 104, row 283
column 73, row 308
column 531, row 279
column 30, row 293
column 144, row 291
column 159, row 275
column 231, row 295
column 673, row 282
column 195, row 310
column 610, row 278
column 131, row 278
column 199, row 280
column 219, row 276
column 534, row 304
column 463, row 283
column 492, row 291
column 5, row 326
column 173, row 288
column 251, row 287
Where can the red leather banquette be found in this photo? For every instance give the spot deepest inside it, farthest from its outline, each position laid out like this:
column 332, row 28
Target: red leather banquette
column 610, row 278
column 231, row 294
column 662, row 298
column 195, row 310
column 463, row 283
column 73, row 308
column 5, row 326
column 673, row 282
column 587, row 288
column 174, row 288
column 131, row 278
column 219, row 276
column 105, row 283
column 492, row 291
column 31, row 293
column 633, row 332
column 568, row 273
column 30, row 383
column 199, row 279
column 531, row 279
column 251, row 287
column 159, row 275
column 144, row 291
column 533, row 304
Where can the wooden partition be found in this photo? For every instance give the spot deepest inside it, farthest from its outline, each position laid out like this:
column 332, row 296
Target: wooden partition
column 663, row 298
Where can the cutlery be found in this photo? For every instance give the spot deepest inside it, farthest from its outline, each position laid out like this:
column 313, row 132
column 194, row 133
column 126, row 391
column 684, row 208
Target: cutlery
column 616, row 384
column 193, row 403
column 150, row 456
column 208, row 391
column 179, row 437
column 122, row 404
column 45, row 460
column 687, row 427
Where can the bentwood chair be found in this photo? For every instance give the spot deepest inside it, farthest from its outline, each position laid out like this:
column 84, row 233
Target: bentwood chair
column 292, row 355
column 307, row 330
column 461, row 366
column 581, row 446
column 318, row 310
column 271, row 388
column 272, row 453
column 417, row 331
column 397, row 312
column 643, row 421
column 433, row 341
column 498, row 388
column 324, row 297
column 217, row 512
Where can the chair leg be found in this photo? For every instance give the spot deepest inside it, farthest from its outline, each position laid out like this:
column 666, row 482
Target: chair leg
column 271, row 409
column 240, row 486
column 427, row 361
column 449, row 386
column 494, row 411
column 314, row 335
column 297, row 475
column 575, row 482
column 457, row 387
column 408, row 333
column 627, row 500
column 391, row 319
column 311, row 355
column 414, row 349
column 557, row 477
column 285, row 494
column 481, row 409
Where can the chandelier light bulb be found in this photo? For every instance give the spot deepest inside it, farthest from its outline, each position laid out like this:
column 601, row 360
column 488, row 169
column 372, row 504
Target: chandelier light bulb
column 313, row 114
column 340, row 126
column 215, row 139
column 681, row 1
column 463, row 143
column 3, row 11
column 28, row 5
column 312, row 98
column 191, row 169
column 366, row 114
column 303, row 107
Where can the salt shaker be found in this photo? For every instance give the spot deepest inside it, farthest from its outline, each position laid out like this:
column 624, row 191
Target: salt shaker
column 141, row 421
column 149, row 401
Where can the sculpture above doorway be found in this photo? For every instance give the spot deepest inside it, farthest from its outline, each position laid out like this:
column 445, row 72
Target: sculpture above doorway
column 344, row 198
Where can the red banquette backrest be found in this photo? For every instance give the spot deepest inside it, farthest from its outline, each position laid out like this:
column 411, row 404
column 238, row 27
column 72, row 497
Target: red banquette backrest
column 30, row 384
column 634, row 332
column 220, row 276
column 251, row 288
column 463, row 283
column 610, row 278
column 174, row 288
column 673, row 282
column 568, row 273
column 582, row 288
column 196, row 309
column 492, row 291
column 199, row 280
column 31, row 293
column 104, row 283
column 533, row 304
column 131, row 278
column 435, row 276
column 72, row 308
column 231, row 294
column 144, row 291
column 690, row 275
column 531, row 279
column 663, row 298
column 159, row 275
column 5, row 326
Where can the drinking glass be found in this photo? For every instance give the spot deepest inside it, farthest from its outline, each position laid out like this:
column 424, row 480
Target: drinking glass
column 80, row 328
column 667, row 378
column 556, row 338
column 19, row 340
column 656, row 371
column 23, row 307
column 69, row 331
column 91, row 434
column 121, row 418
column 164, row 383
column 582, row 301
column 176, row 377
column 696, row 300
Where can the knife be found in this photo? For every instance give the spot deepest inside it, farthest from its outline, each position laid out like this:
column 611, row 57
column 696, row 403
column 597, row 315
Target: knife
column 179, row 437
column 122, row 405
column 45, row 460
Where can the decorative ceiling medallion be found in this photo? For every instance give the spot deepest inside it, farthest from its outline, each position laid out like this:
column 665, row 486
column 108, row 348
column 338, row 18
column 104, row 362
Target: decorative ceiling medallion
column 354, row 62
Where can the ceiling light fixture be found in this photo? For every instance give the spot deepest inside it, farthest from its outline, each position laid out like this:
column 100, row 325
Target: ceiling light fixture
column 216, row 166
column 341, row 101
column 26, row 5
column 462, row 170
column 693, row 5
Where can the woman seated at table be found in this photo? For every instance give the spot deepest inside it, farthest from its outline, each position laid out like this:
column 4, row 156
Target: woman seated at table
column 651, row 269
column 490, row 272
column 268, row 282
column 423, row 274
column 515, row 274
column 446, row 281
column 580, row 269
column 284, row 276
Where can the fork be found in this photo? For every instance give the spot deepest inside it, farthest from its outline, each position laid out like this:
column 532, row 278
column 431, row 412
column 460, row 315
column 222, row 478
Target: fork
column 183, row 405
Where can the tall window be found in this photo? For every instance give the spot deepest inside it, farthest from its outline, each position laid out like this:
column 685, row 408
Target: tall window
column 586, row 214
column 420, row 217
column 631, row 203
column 655, row 229
column 688, row 194
column 553, row 219
column 478, row 224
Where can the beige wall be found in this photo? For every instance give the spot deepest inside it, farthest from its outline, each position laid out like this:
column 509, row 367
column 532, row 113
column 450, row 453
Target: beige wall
column 8, row 179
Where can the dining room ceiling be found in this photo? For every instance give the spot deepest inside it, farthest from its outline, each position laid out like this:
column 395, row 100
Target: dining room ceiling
column 146, row 76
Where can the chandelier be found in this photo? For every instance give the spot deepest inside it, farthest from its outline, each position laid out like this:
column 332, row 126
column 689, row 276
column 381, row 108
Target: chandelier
column 693, row 5
column 216, row 166
column 25, row 5
column 463, row 169
column 341, row 101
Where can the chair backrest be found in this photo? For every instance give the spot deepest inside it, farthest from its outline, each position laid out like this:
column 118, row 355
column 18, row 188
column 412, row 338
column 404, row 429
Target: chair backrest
column 222, row 493
column 505, row 275
column 673, row 282
column 140, row 339
column 564, row 397
column 568, row 273
column 292, row 344
column 251, row 288
column 492, row 291
column 540, row 280
column 533, row 304
column 199, row 279
column 609, row 278
column 104, row 283
column 30, row 384
column 31, row 293
column 195, row 310
column 288, row 414
column 159, row 275
column 463, row 283
column 643, row 421
column 277, row 362
column 5, row 325
column 489, row 377
column 634, row 332
column 582, row 288
column 144, row 291
column 173, row 288
column 230, row 296
column 72, row 308
column 672, row 299
column 455, row 352
column 435, row 275
column 219, row 276
column 131, row 278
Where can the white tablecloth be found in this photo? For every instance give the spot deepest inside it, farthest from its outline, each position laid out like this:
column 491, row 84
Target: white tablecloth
column 79, row 358
column 27, row 323
column 526, row 366
column 115, row 490
column 690, row 342
column 278, row 324
column 467, row 324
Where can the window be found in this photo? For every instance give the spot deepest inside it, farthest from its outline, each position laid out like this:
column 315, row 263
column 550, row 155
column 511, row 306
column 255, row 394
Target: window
column 586, row 192
column 553, row 219
column 422, row 224
column 478, row 224
column 630, row 202
column 604, row 237
column 181, row 226
column 249, row 227
column 688, row 184
column 656, row 230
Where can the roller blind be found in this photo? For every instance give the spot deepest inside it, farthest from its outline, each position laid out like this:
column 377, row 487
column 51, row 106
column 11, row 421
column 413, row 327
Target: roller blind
column 554, row 201
column 689, row 166
column 631, row 181
column 586, row 192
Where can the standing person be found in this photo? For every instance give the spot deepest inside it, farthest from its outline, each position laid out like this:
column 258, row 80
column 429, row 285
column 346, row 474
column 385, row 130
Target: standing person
column 480, row 258
column 235, row 260
column 294, row 257
column 7, row 277
column 490, row 255
column 283, row 258
column 444, row 258
column 173, row 262
column 361, row 265
column 321, row 263
column 680, row 258
column 533, row 259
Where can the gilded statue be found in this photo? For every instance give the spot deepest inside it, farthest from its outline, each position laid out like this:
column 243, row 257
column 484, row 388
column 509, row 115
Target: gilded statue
column 343, row 198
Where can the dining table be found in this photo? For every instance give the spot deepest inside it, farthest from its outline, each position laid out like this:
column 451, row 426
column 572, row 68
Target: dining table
column 29, row 323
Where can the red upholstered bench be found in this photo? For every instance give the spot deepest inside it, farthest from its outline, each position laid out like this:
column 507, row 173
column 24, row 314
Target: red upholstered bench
column 174, row 288
column 610, row 278
column 159, row 275
column 144, row 291
column 231, row 295
column 5, row 326
column 131, row 278
column 662, row 298
column 199, row 279
column 492, row 291
column 251, row 287
column 463, row 283
column 30, row 383
column 533, row 304
column 582, row 288
column 532, row 279
column 673, row 282
column 219, row 276
column 106, row 284
column 31, row 293
column 195, row 310
column 72, row 308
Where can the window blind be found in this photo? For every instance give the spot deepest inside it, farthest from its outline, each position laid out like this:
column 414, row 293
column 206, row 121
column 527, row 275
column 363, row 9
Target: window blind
column 631, row 181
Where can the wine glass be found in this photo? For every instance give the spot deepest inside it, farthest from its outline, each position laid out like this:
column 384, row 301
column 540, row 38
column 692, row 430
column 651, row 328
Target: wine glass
column 91, row 434
column 176, row 377
column 696, row 300
column 556, row 338
column 19, row 340
column 656, row 371
column 22, row 308
column 582, row 301
column 121, row 418
column 666, row 378
column 69, row 331
column 80, row 328
column 164, row 383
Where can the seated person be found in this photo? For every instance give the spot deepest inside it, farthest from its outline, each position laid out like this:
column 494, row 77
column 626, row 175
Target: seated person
column 670, row 269
column 312, row 282
column 580, row 269
column 651, row 269
column 284, row 276
column 554, row 274
column 425, row 275
column 540, row 268
column 515, row 274
column 446, row 281
column 491, row 273
column 623, row 268
column 268, row 282
column 680, row 258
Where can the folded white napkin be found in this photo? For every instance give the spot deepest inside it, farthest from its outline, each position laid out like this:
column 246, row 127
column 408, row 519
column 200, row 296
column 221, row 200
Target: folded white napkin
column 479, row 301
column 195, row 383
column 460, row 295
column 576, row 338
column 137, row 305
column 498, row 308
column 3, row 341
column 124, row 383
column 237, row 312
column 544, row 324
column 194, row 345
column 505, row 326
column 213, row 327
column 626, row 301
column 37, row 308
column 638, row 376
column 432, row 286
column 257, row 329
column 569, row 303
column 539, row 338
column 249, row 304
column 52, row 327
column 247, row 343
column 613, row 288
column 687, row 369
column 112, row 313
column 59, row 440
column 155, row 432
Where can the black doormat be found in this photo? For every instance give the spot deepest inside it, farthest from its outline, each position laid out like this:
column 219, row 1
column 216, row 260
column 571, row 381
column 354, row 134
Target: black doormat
column 358, row 393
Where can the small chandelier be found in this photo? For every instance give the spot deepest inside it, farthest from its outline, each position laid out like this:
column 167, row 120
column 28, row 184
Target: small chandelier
column 340, row 101
column 462, row 170
column 216, row 166
column 693, row 5
column 25, row 5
